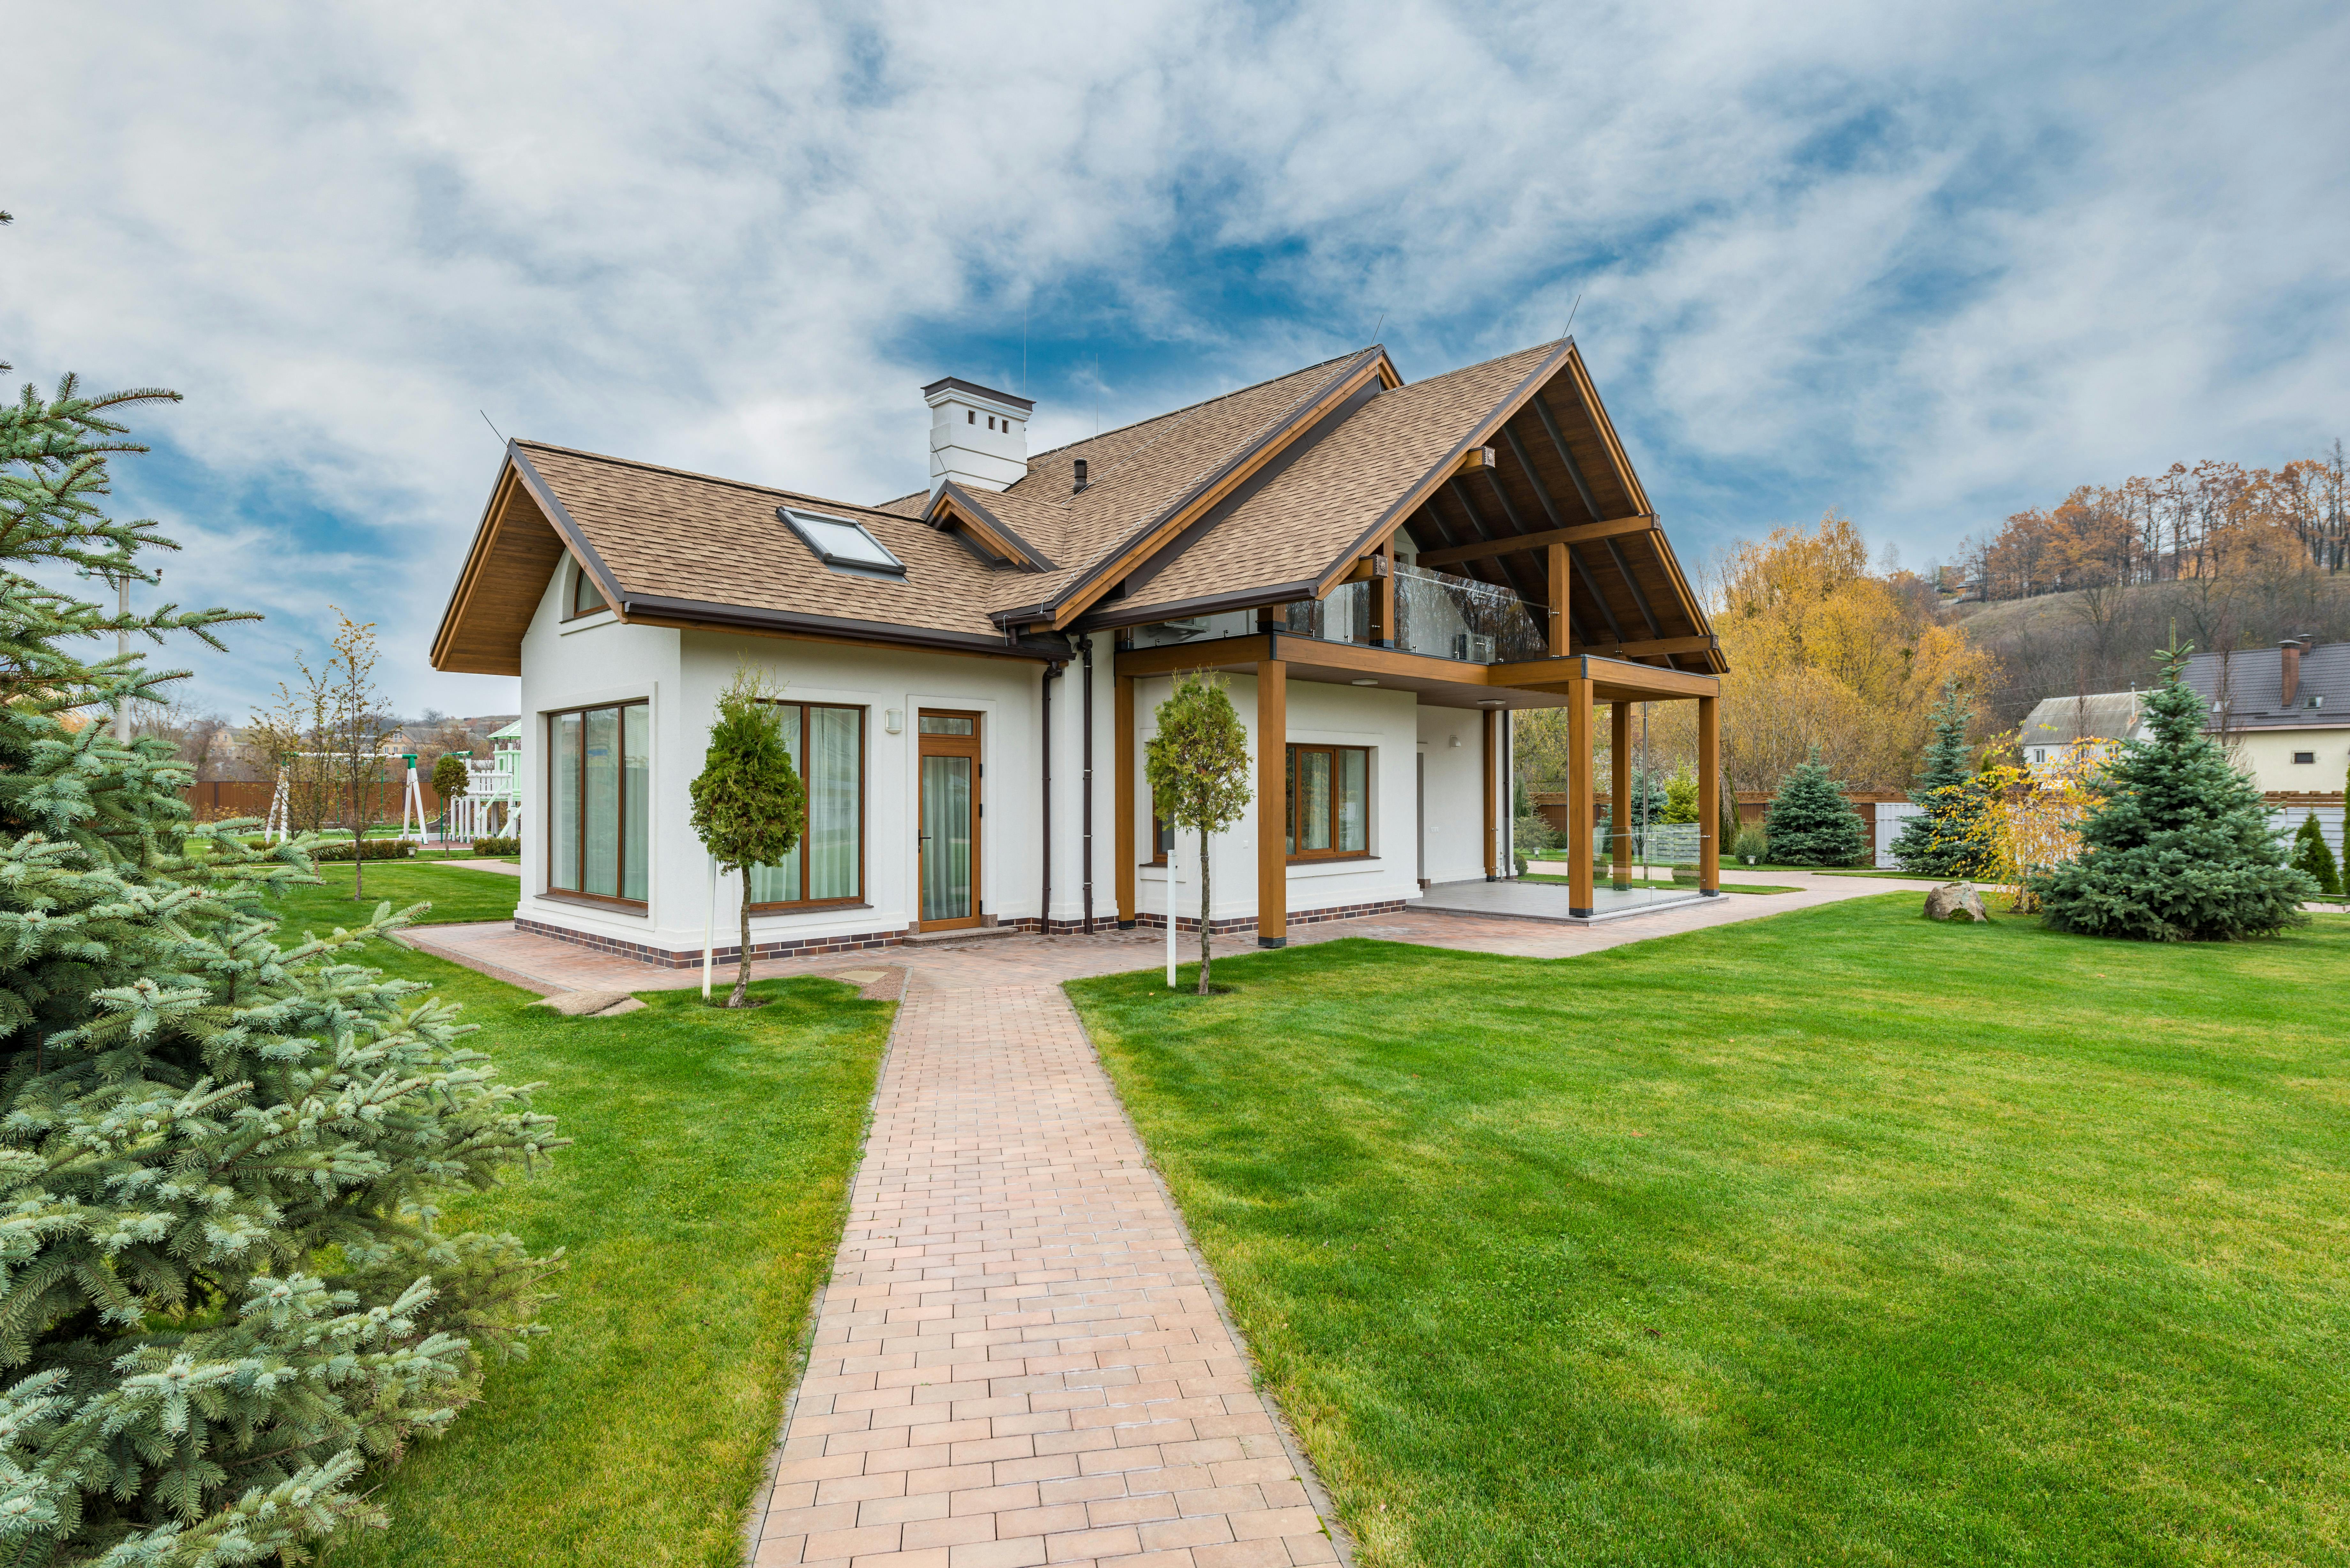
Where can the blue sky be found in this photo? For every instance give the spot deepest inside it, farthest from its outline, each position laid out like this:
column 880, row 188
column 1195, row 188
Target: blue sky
column 1927, row 264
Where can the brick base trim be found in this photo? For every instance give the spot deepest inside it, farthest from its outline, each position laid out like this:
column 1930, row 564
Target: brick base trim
column 1296, row 918
column 690, row 957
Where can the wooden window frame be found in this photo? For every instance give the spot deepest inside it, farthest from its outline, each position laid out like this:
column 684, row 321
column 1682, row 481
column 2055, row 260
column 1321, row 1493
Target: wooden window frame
column 1289, row 806
column 552, row 717
column 579, row 580
column 1160, row 830
column 857, row 900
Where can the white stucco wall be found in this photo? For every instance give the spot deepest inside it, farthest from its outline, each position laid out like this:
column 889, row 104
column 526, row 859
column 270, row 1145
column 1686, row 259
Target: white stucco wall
column 680, row 674
column 2267, row 756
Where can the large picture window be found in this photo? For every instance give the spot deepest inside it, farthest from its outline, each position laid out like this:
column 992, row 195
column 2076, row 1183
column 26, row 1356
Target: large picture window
column 828, row 747
column 1329, row 802
column 600, row 779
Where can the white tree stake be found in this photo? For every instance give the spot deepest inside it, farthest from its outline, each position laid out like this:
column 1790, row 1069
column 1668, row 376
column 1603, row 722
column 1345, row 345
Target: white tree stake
column 709, row 928
column 1174, row 874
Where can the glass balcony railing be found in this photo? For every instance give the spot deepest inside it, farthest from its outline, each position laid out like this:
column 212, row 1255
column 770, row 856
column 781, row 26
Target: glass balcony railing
column 1437, row 613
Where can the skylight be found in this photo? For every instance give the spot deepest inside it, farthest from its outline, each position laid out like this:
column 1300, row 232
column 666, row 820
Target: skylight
column 842, row 544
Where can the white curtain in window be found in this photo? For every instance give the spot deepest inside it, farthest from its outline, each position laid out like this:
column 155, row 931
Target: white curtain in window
column 831, row 774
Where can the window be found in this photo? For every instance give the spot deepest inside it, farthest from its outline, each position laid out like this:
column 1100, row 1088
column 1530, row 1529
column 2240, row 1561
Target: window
column 970, row 417
column 2305, row 756
column 1329, row 802
column 599, row 828
column 828, row 747
column 842, row 544
column 1162, row 835
column 586, row 597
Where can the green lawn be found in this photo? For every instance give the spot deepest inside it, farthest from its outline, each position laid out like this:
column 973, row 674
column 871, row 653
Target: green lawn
column 455, row 892
column 700, row 1204
column 1836, row 1238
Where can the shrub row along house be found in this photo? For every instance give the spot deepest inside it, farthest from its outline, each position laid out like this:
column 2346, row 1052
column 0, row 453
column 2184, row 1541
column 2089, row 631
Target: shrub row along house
column 1386, row 571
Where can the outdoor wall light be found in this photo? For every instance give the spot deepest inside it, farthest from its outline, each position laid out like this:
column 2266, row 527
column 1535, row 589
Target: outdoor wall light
column 1365, row 683
column 1454, row 742
column 893, row 720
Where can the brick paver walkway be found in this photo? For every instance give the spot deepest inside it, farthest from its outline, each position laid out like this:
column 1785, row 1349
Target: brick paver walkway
column 1019, row 1359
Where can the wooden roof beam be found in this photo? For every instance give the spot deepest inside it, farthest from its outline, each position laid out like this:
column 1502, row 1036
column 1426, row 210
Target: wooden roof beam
column 1650, row 649
column 1550, row 423
column 1590, row 589
column 1477, row 520
column 1575, row 534
column 1616, row 553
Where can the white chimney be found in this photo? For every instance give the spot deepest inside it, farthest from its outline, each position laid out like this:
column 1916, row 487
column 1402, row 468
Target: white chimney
column 979, row 438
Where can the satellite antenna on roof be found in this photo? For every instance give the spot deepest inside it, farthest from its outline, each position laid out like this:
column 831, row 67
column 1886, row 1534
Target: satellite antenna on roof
column 494, row 429
column 1570, row 315
column 1382, row 321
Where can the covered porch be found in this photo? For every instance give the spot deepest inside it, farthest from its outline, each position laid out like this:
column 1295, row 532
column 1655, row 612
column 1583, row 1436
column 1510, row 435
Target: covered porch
column 1600, row 879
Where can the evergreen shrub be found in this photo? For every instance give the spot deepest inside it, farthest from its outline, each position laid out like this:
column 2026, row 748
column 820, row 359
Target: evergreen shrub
column 1946, row 838
column 1753, row 844
column 1811, row 823
column 491, row 844
column 2313, row 858
column 2181, row 848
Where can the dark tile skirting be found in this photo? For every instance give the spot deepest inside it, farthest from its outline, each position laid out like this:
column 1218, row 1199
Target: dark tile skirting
column 1296, row 918
column 690, row 957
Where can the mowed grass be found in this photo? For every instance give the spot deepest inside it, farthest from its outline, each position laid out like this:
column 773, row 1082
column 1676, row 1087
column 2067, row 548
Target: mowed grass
column 1837, row 1237
column 456, row 893
column 700, row 1204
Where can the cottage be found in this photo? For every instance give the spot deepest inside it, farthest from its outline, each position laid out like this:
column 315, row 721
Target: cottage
column 1384, row 571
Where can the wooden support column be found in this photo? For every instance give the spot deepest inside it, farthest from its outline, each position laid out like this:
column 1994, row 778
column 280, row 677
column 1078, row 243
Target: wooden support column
column 1122, row 785
column 1272, row 803
column 1619, row 795
column 1559, row 639
column 1709, row 795
column 1489, row 774
column 1579, row 900
column 1383, row 597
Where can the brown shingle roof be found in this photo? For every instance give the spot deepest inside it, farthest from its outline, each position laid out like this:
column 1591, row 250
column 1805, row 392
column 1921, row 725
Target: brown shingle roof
column 1297, row 526
column 665, row 534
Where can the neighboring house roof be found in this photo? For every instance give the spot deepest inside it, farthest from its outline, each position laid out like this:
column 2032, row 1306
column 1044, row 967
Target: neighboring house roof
column 2250, row 682
column 2098, row 716
column 1268, row 494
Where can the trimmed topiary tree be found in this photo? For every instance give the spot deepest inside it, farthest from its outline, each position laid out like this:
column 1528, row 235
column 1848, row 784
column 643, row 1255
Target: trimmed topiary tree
column 749, row 805
column 222, row 1290
column 2181, row 848
column 1198, row 767
column 1947, row 838
column 1811, row 823
column 2313, row 858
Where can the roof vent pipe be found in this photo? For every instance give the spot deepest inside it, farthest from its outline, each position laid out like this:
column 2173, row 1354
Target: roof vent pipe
column 1081, row 476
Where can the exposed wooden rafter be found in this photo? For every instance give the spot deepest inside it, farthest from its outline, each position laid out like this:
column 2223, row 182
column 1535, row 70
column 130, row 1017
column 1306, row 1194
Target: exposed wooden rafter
column 1575, row 533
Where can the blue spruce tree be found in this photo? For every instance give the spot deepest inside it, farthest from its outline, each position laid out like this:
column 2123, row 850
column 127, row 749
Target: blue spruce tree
column 1811, row 823
column 221, row 1290
column 2182, row 850
column 1941, row 841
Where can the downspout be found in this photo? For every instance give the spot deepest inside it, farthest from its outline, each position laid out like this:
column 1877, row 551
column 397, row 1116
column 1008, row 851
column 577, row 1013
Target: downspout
column 1086, row 648
column 1045, row 916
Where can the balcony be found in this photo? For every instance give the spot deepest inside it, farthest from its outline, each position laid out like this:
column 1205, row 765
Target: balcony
column 1437, row 613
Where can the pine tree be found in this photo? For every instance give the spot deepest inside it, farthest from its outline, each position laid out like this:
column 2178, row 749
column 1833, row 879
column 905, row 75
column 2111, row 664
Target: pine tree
column 2313, row 858
column 1681, row 796
column 222, row 1293
column 2181, row 848
column 1944, row 840
column 749, row 805
column 1198, row 767
column 1811, row 823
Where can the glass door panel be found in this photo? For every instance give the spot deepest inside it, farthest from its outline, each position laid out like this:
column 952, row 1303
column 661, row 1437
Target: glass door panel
column 946, row 839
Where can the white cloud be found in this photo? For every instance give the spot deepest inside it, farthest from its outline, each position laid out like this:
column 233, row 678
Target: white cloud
column 1927, row 264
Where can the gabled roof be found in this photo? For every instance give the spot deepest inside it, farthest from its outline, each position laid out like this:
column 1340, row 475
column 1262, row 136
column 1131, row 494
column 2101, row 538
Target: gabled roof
column 2251, row 682
column 2096, row 716
column 1268, row 494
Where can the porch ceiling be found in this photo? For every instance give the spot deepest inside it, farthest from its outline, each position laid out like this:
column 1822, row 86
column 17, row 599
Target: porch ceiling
column 1438, row 682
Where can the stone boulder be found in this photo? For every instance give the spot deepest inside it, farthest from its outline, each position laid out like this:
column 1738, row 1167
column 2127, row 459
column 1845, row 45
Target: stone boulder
column 590, row 1003
column 1955, row 901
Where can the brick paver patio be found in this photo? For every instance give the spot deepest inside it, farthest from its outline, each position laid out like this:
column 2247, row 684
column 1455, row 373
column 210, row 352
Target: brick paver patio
column 1020, row 1359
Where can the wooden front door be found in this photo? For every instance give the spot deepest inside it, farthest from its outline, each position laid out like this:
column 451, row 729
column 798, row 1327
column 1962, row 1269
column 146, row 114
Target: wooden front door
column 948, row 844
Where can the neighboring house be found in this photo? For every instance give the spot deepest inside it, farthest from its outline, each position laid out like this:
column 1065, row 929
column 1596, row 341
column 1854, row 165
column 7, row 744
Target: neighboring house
column 1383, row 571
column 2055, row 723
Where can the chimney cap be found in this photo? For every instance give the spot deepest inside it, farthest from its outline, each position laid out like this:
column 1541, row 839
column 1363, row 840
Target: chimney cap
column 956, row 383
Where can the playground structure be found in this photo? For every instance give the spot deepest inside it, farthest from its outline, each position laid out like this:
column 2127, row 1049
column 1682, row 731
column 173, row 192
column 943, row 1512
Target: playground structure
column 492, row 803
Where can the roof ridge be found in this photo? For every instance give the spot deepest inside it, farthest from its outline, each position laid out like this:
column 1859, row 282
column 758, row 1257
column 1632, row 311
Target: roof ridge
column 1203, row 402
column 1495, row 359
column 710, row 478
